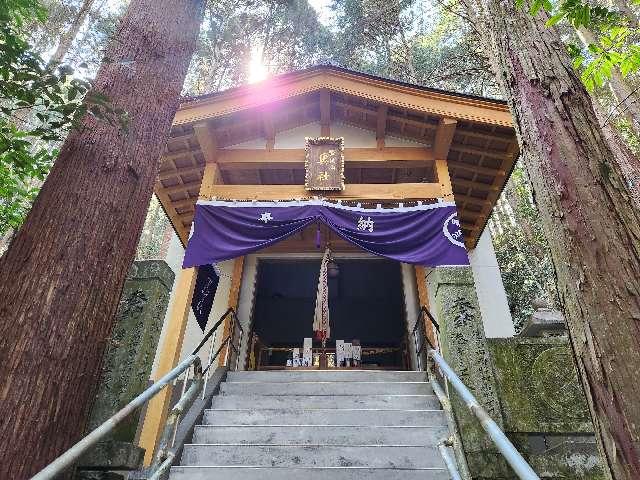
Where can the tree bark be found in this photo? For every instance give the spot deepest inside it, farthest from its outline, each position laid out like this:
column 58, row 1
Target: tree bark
column 592, row 225
column 61, row 278
column 67, row 37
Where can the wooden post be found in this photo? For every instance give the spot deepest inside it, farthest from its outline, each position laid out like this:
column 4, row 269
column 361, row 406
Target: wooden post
column 171, row 348
column 442, row 169
column 423, row 298
column 234, row 296
column 169, row 356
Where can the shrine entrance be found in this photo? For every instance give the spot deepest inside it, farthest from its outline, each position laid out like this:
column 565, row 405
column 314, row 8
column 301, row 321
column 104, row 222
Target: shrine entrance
column 366, row 309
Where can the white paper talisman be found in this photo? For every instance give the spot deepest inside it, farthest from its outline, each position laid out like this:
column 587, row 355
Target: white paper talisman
column 348, row 353
column 357, row 352
column 307, row 352
column 339, row 352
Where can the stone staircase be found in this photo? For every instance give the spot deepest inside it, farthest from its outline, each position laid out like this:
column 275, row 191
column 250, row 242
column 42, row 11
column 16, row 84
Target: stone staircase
column 312, row 425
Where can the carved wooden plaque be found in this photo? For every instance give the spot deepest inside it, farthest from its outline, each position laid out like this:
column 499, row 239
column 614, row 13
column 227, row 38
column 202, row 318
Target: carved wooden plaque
column 324, row 164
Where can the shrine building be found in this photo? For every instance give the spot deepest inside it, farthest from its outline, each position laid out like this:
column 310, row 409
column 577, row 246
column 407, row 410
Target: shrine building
column 403, row 147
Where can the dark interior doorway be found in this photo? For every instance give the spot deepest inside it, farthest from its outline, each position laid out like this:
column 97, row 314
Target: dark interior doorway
column 365, row 302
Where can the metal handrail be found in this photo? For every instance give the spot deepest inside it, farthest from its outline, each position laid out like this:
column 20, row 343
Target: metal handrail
column 424, row 311
column 164, row 458
column 520, row 466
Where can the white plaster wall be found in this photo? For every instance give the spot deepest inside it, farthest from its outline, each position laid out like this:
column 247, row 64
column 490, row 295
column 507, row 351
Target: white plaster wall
column 193, row 334
column 411, row 305
column 492, row 297
column 246, row 302
column 354, row 138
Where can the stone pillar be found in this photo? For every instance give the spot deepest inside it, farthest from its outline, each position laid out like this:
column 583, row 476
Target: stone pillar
column 128, row 360
column 464, row 347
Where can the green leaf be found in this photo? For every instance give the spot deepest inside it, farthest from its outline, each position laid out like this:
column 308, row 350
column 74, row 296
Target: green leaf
column 556, row 18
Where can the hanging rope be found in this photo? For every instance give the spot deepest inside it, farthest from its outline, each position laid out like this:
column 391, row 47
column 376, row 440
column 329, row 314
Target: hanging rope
column 321, row 327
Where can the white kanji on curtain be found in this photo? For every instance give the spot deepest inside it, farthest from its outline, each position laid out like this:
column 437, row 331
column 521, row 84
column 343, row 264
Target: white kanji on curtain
column 321, row 328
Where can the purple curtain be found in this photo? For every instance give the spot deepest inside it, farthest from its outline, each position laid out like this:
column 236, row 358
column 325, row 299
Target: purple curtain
column 426, row 235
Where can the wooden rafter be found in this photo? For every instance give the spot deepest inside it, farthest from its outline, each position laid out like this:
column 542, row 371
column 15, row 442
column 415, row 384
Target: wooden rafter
column 325, row 113
column 381, row 126
column 473, row 168
column 182, row 187
column 268, row 129
column 166, row 174
column 294, row 157
column 444, row 136
column 206, row 137
column 477, row 185
column 362, row 191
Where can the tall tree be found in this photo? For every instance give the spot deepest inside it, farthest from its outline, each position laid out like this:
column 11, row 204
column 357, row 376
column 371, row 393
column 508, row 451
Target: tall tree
column 68, row 36
column 61, row 278
column 622, row 92
column 592, row 226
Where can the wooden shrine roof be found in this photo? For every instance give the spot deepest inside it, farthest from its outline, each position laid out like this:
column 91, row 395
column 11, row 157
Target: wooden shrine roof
column 475, row 136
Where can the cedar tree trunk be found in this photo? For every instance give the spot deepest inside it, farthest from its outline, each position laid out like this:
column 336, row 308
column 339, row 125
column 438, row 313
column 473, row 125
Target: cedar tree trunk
column 592, row 225
column 61, row 279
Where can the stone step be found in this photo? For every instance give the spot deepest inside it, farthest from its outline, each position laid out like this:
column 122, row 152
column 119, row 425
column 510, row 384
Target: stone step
column 262, row 473
column 288, row 376
column 326, row 388
column 392, row 418
column 392, row 402
column 314, row 435
column 312, row 456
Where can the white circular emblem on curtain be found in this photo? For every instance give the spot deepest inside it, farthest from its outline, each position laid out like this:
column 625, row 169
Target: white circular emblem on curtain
column 452, row 231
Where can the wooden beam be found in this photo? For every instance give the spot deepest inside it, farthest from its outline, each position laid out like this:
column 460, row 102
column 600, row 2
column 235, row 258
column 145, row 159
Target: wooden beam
column 180, row 171
column 169, row 356
column 442, row 170
column 482, row 152
column 183, row 187
column 268, row 129
column 185, row 152
column 207, row 139
column 477, row 201
column 423, row 298
column 308, row 245
column 187, row 202
column 325, row 113
column 294, row 157
column 234, row 297
column 182, row 233
column 352, row 191
column 476, row 168
column 444, row 136
column 381, row 126
column 480, row 186
column 397, row 118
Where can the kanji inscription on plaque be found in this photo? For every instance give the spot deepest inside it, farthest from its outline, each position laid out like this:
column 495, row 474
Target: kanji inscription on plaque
column 324, row 164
